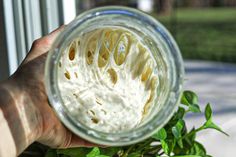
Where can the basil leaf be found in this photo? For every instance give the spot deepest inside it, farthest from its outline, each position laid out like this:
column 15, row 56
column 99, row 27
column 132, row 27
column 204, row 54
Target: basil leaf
column 110, row 151
column 194, row 108
column 94, row 153
column 51, row 153
column 134, row 155
column 211, row 125
column 180, row 143
column 197, row 149
column 74, row 152
column 176, row 130
column 189, row 98
column 171, row 144
column 160, row 135
column 200, row 150
column 191, row 137
column 180, row 113
column 165, row 147
column 187, row 156
column 208, row 112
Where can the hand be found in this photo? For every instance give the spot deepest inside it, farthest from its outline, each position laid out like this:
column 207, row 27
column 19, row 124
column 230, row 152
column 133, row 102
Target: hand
column 28, row 114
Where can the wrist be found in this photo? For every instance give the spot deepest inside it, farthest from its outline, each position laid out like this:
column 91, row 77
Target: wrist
column 21, row 115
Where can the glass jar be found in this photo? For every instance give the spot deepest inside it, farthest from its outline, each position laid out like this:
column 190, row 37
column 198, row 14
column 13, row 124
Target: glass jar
column 164, row 50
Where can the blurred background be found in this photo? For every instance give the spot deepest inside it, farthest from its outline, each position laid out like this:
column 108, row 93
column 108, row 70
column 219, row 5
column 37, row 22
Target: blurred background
column 205, row 31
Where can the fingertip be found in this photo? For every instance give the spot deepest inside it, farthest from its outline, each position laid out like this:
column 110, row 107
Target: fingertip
column 53, row 35
column 59, row 29
column 79, row 142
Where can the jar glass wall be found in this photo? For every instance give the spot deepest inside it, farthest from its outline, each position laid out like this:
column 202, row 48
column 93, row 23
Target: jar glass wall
column 164, row 50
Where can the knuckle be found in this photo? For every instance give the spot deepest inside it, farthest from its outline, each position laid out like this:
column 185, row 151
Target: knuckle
column 37, row 43
column 41, row 44
column 45, row 41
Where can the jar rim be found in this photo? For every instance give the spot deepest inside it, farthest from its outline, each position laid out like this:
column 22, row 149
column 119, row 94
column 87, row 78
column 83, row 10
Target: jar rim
column 123, row 138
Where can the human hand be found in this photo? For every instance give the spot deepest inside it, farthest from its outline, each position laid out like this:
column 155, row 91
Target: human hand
column 36, row 120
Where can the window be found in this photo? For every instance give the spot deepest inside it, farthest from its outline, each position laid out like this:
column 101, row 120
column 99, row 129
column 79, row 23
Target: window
column 25, row 21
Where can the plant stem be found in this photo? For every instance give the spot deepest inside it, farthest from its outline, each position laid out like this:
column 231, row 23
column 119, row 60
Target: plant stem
column 148, row 142
column 128, row 150
column 195, row 131
column 153, row 149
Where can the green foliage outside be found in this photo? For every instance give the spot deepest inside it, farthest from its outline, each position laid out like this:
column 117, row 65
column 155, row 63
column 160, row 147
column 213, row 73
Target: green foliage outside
column 208, row 34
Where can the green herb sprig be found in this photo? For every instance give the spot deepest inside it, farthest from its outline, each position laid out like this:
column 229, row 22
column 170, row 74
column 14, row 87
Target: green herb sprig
column 173, row 140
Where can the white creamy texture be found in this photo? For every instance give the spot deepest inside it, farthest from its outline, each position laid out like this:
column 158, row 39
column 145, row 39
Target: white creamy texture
column 106, row 79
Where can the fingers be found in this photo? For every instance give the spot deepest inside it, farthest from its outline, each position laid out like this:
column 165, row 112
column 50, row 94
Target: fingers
column 71, row 140
column 55, row 135
column 79, row 142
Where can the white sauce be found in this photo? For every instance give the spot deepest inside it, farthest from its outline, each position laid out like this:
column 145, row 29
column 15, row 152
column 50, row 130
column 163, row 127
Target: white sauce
column 102, row 79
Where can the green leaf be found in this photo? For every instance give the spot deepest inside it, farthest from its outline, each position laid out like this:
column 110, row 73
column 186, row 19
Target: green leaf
column 197, row 149
column 191, row 137
column 51, row 153
column 200, row 150
column 180, row 113
column 176, row 130
column 102, row 156
column 208, row 112
column 74, row 152
column 160, row 135
column 110, row 151
column 165, row 147
column 180, row 143
column 211, row 125
column 187, row 156
column 189, row 98
column 171, row 144
column 134, row 155
column 194, row 108
column 94, row 153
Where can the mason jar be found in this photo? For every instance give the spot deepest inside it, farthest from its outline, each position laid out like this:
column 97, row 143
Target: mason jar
column 164, row 50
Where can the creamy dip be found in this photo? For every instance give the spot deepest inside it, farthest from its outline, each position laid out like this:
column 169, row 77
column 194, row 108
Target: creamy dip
column 106, row 79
